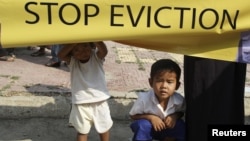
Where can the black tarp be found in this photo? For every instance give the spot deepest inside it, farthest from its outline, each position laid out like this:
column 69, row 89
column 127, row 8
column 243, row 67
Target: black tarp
column 214, row 92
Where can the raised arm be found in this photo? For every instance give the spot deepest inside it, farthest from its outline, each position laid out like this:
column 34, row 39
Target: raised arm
column 65, row 52
column 102, row 49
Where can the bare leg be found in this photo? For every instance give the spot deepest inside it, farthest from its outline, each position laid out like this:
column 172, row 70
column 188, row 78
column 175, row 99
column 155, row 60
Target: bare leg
column 82, row 137
column 104, row 136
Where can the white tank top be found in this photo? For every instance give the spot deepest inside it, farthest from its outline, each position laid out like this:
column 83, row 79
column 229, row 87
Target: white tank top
column 88, row 82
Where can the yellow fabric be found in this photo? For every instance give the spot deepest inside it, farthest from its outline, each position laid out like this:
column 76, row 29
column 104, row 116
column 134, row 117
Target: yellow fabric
column 205, row 28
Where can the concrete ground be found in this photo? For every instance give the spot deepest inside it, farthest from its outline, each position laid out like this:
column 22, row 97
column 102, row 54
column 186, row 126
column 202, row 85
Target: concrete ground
column 54, row 129
column 35, row 99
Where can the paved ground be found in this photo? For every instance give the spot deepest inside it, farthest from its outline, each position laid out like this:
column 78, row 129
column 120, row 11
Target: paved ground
column 54, row 129
column 35, row 99
column 127, row 69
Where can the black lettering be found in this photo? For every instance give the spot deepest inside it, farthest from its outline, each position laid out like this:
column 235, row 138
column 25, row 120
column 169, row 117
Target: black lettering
column 27, row 8
column 78, row 14
column 202, row 17
column 149, row 16
column 193, row 18
column 135, row 22
column 87, row 14
column 91, row 10
column 182, row 9
column 226, row 15
column 156, row 17
column 49, row 10
column 113, row 14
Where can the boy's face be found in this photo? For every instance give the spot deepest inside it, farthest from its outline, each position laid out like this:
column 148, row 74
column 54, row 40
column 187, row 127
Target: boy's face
column 82, row 51
column 164, row 84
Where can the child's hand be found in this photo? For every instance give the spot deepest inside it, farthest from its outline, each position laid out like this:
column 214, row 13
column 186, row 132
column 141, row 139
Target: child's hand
column 157, row 123
column 170, row 121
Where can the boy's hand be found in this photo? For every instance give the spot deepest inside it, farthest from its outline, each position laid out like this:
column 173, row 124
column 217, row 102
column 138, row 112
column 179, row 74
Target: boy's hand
column 170, row 121
column 157, row 123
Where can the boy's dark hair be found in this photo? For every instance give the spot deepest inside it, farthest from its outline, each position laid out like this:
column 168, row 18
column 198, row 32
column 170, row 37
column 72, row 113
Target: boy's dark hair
column 165, row 64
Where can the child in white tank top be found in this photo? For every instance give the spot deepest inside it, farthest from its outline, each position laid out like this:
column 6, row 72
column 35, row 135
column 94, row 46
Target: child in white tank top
column 88, row 87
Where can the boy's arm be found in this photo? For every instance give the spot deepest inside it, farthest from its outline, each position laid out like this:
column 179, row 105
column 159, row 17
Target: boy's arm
column 102, row 49
column 177, row 115
column 65, row 53
column 170, row 120
column 156, row 121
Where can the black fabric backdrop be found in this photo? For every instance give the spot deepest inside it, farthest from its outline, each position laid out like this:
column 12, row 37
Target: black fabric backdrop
column 214, row 92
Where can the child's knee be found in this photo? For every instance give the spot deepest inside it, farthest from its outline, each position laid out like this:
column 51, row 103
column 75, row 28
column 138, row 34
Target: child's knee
column 141, row 124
